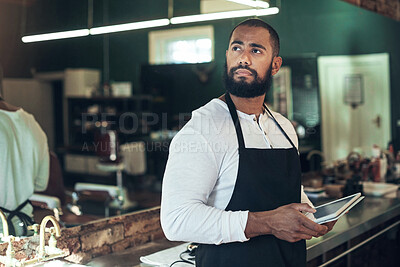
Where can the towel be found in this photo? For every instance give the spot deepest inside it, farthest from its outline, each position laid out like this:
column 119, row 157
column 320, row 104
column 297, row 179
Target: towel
column 134, row 157
column 164, row 258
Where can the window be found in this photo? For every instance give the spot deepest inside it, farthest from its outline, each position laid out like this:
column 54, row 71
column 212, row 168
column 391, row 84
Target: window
column 185, row 45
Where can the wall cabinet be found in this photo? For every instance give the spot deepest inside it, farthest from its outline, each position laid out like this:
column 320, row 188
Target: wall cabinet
column 89, row 117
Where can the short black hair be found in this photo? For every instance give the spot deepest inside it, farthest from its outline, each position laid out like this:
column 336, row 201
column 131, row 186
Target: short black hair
column 260, row 23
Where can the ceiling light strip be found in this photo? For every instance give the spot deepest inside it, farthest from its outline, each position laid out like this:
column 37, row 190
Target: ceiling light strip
column 150, row 24
column 55, row 36
column 129, row 26
column 225, row 15
column 252, row 3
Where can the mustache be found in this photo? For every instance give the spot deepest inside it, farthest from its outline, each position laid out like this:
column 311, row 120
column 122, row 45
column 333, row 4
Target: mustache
column 233, row 69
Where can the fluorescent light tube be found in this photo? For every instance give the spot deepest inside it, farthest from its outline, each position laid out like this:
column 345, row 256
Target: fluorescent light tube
column 225, row 15
column 129, row 26
column 153, row 23
column 253, row 3
column 55, row 36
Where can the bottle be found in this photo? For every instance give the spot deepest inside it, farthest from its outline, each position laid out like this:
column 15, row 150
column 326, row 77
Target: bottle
column 106, row 90
column 375, row 161
column 383, row 165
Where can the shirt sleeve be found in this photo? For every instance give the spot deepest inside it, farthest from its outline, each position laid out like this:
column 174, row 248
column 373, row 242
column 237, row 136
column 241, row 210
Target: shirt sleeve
column 190, row 176
column 42, row 177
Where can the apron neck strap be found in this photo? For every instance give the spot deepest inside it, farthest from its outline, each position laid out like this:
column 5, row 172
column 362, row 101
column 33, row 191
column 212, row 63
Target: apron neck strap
column 235, row 118
column 280, row 127
column 232, row 110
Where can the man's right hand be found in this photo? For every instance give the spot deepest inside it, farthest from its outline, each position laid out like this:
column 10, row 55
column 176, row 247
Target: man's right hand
column 286, row 223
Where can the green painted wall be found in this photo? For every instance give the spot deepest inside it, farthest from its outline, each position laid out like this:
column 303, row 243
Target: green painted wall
column 325, row 27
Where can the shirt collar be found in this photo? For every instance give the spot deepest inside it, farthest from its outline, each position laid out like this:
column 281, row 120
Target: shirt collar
column 249, row 117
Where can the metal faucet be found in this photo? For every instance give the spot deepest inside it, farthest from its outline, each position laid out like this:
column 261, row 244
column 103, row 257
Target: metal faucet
column 316, row 152
column 9, row 259
column 41, row 252
column 5, row 224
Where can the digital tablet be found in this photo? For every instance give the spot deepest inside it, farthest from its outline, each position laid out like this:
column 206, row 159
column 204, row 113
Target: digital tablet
column 334, row 210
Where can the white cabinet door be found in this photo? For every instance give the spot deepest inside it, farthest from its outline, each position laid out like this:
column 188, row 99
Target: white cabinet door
column 81, row 82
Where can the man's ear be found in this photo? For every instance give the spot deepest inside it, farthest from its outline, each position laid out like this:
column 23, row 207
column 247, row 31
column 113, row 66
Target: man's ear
column 276, row 65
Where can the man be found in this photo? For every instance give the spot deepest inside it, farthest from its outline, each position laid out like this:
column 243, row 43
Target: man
column 24, row 165
column 232, row 181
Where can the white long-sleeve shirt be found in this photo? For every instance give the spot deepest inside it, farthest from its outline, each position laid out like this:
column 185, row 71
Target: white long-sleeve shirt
column 24, row 159
column 202, row 169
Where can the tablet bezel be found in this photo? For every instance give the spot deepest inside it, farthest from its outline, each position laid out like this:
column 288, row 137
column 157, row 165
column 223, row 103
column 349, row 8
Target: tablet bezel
column 344, row 212
column 336, row 214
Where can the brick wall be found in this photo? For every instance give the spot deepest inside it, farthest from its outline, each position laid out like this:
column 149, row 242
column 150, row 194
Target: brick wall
column 388, row 8
column 98, row 238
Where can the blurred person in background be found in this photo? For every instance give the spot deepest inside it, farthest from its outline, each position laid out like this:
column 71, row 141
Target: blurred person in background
column 24, row 164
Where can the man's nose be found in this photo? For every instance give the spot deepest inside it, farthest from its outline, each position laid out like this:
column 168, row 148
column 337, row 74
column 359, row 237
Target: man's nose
column 244, row 59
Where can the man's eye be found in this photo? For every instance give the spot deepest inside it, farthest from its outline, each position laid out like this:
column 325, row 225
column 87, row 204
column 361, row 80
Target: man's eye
column 256, row 51
column 235, row 48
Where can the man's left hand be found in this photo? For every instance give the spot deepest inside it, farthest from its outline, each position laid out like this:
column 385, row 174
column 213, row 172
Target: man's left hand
column 329, row 225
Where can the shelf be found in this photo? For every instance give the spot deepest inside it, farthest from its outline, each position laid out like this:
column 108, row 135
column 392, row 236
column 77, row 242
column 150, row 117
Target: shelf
column 129, row 128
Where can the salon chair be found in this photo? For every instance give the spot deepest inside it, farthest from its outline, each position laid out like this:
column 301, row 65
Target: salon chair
column 112, row 196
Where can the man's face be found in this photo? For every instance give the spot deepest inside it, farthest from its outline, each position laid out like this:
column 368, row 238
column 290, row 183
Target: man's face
column 249, row 62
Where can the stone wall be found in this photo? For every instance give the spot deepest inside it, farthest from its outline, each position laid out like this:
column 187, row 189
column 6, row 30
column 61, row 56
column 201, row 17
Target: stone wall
column 102, row 237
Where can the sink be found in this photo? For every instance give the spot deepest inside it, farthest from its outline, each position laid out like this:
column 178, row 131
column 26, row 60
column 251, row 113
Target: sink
column 57, row 263
column 379, row 189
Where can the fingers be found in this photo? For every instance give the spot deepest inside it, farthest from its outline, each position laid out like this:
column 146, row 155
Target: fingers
column 304, row 236
column 302, row 207
column 307, row 231
column 290, row 224
column 311, row 227
column 318, row 228
column 330, row 225
column 307, row 226
column 292, row 237
column 295, row 238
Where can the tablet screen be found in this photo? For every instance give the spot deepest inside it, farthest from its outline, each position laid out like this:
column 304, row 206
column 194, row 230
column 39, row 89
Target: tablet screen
column 329, row 209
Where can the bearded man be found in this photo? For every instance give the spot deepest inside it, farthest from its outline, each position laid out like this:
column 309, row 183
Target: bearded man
column 233, row 180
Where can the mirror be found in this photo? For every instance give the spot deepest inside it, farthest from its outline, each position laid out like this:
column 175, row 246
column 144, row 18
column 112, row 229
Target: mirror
column 306, row 30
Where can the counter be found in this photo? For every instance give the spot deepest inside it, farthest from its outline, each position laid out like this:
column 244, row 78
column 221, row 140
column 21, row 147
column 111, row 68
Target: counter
column 370, row 214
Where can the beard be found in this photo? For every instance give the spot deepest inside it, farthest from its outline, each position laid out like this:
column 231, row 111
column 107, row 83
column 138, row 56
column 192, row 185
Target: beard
column 244, row 89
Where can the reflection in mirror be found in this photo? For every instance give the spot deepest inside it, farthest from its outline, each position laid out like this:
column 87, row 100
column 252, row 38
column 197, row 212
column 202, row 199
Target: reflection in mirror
column 75, row 106
column 75, row 109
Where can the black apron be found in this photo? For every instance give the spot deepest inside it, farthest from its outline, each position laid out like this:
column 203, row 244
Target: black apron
column 266, row 180
column 25, row 219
